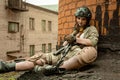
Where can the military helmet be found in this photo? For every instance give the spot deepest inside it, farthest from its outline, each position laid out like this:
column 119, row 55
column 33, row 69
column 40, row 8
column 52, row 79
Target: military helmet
column 83, row 12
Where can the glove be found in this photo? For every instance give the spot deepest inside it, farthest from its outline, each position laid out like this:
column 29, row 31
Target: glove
column 49, row 70
column 70, row 38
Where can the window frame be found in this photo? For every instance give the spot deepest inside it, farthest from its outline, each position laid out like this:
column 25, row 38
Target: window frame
column 32, row 50
column 32, row 23
column 49, row 47
column 43, row 25
column 44, row 48
column 49, row 25
column 12, row 28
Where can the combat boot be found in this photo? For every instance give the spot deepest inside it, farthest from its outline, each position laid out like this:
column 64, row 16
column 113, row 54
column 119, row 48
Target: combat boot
column 7, row 66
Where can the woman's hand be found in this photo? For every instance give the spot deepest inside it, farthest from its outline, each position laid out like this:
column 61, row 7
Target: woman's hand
column 78, row 35
column 65, row 43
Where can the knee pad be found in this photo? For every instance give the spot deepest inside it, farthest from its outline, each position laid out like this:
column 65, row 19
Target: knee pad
column 40, row 62
column 51, row 59
column 37, row 57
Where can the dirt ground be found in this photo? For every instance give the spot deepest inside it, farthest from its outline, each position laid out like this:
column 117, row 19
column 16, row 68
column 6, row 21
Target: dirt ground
column 106, row 67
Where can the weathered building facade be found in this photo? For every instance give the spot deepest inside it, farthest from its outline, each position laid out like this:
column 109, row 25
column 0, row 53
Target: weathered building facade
column 26, row 29
column 105, row 16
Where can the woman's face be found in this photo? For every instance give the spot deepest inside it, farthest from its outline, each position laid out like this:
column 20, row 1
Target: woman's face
column 81, row 21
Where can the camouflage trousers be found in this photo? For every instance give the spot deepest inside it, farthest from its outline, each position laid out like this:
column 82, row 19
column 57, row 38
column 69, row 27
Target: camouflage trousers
column 85, row 56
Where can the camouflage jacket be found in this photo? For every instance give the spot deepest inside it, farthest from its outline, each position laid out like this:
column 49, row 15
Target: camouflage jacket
column 92, row 34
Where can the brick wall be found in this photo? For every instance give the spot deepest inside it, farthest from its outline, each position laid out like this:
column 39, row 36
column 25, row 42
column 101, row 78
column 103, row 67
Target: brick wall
column 105, row 16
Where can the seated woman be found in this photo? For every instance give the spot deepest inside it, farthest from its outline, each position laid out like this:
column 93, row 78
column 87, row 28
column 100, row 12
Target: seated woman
column 77, row 56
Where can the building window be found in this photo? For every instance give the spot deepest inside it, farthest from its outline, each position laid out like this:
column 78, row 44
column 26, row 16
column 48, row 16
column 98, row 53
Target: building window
column 13, row 27
column 31, row 23
column 49, row 26
column 49, row 47
column 43, row 48
column 43, row 24
column 32, row 50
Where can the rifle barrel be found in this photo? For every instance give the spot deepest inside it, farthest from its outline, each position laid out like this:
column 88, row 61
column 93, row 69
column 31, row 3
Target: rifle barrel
column 59, row 51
